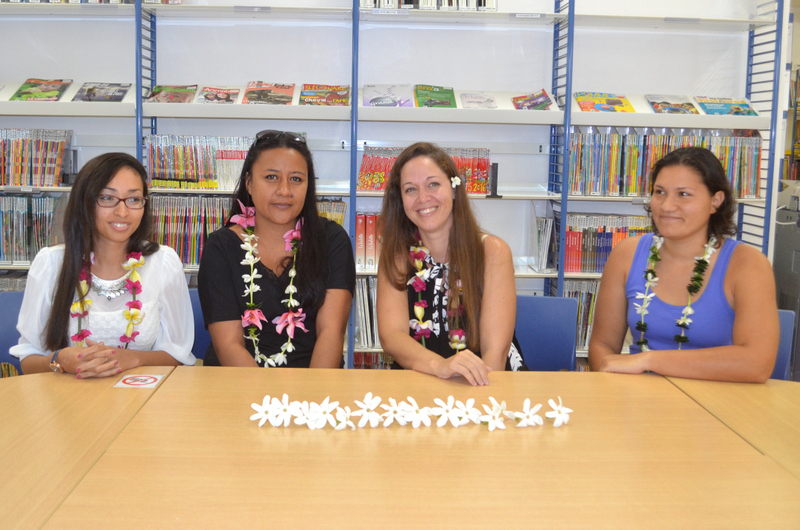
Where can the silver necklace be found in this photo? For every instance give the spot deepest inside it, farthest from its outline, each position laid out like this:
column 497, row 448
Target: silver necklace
column 110, row 288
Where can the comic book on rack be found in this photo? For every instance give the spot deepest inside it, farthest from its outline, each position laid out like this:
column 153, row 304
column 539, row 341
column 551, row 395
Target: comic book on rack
column 172, row 94
column 671, row 104
column 602, row 102
column 730, row 106
column 41, row 90
column 538, row 101
column 478, row 100
column 388, row 96
column 325, row 95
column 217, row 95
column 102, row 92
column 434, row 96
column 260, row 93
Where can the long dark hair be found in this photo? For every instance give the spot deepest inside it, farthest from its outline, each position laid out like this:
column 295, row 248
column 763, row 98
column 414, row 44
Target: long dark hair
column 79, row 235
column 313, row 254
column 465, row 248
column 710, row 169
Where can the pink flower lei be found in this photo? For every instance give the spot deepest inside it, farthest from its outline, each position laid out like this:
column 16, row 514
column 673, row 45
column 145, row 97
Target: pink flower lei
column 134, row 314
column 422, row 328
column 252, row 317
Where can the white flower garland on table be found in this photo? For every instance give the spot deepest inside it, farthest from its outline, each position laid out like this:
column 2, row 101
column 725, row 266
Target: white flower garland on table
column 282, row 412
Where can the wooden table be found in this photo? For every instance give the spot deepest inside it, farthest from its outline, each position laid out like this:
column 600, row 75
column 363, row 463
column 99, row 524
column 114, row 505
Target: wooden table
column 637, row 453
column 54, row 428
column 767, row 416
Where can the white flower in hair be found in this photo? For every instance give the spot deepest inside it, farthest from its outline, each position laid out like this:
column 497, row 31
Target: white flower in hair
column 455, row 181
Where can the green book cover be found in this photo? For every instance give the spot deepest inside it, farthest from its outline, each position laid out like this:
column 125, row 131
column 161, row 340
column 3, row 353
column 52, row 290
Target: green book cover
column 434, row 96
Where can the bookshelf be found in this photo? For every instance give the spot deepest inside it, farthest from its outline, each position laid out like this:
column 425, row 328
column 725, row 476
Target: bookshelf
column 526, row 46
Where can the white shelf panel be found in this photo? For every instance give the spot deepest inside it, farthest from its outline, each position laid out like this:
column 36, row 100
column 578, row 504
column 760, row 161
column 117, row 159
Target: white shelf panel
column 34, row 189
column 480, row 18
column 238, row 111
column 645, row 200
column 652, row 119
column 672, row 23
column 102, row 109
column 533, row 192
column 15, row 267
column 324, row 189
column 68, row 10
column 247, row 9
column 433, row 115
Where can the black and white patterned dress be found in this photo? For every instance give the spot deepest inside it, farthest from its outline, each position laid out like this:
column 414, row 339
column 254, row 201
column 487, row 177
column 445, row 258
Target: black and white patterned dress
column 435, row 294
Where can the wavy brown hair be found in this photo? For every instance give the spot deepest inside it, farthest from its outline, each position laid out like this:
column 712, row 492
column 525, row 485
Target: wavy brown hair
column 710, row 169
column 465, row 248
column 79, row 234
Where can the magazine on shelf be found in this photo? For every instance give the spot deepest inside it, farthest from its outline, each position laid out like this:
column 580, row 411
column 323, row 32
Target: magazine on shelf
column 388, row 96
column 434, row 96
column 172, row 94
column 41, row 90
column 102, row 92
column 731, row 106
column 217, row 95
column 478, row 100
column 538, row 101
column 260, row 93
column 671, row 104
column 602, row 102
column 325, row 95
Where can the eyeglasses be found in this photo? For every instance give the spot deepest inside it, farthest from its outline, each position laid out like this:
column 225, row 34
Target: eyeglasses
column 272, row 134
column 109, row 201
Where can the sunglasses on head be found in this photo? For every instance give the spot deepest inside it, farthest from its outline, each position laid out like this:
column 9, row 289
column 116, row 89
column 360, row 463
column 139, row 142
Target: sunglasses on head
column 271, row 134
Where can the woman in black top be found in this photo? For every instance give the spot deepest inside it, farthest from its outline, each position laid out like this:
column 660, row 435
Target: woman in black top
column 276, row 284
column 446, row 293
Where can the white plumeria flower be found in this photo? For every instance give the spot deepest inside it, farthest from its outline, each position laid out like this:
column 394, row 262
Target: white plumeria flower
column 307, row 415
column 367, row 411
column 393, row 413
column 468, row 412
column 560, row 413
column 528, row 416
column 455, row 181
column 281, row 412
column 290, row 289
column 494, row 416
column 343, row 419
column 262, row 411
column 326, row 410
column 415, row 415
column 447, row 412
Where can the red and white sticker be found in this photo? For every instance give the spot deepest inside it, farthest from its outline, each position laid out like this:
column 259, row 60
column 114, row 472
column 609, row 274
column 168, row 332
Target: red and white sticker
column 139, row 381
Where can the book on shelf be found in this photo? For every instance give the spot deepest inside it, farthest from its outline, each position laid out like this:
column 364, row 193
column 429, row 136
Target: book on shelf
column 590, row 238
column 218, row 95
column 434, row 96
column 478, row 100
column 184, row 221
column 333, row 209
column 537, row 101
column 172, row 94
column 260, row 93
column 540, row 241
column 729, row 106
column 361, row 242
column 41, row 90
column 387, row 96
column 102, row 92
column 33, row 157
column 372, row 360
column 325, row 95
column 662, row 104
column 366, row 322
column 602, row 102
column 26, row 225
column 370, row 243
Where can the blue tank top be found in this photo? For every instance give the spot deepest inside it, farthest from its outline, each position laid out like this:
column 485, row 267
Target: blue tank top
column 712, row 321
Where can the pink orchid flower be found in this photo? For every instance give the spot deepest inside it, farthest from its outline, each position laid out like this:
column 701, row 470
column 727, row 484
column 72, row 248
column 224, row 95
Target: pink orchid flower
column 458, row 339
column 290, row 320
column 133, row 287
column 134, row 304
column 126, row 339
column 253, row 317
column 291, row 235
column 418, row 284
column 422, row 332
column 248, row 218
column 79, row 337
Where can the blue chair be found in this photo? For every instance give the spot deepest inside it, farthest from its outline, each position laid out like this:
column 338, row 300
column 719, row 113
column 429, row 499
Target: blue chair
column 202, row 338
column 10, row 301
column 784, row 359
column 546, row 330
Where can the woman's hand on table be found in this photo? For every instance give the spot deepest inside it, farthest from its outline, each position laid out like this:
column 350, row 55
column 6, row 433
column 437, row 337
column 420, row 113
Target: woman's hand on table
column 95, row 360
column 466, row 364
column 625, row 364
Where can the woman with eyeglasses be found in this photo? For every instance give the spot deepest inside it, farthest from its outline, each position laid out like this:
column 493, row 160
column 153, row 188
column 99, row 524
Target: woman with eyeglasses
column 277, row 282
column 109, row 299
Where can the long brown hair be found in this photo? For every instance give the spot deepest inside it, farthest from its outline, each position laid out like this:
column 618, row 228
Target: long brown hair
column 465, row 247
column 79, row 233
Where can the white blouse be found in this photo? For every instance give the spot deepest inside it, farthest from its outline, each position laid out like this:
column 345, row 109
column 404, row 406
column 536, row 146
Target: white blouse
column 168, row 323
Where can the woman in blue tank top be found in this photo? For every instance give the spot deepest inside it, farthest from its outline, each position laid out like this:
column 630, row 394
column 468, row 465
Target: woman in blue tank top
column 698, row 303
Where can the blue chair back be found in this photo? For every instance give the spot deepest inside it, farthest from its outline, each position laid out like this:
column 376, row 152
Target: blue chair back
column 784, row 359
column 546, row 331
column 10, row 301
column 201, row 336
